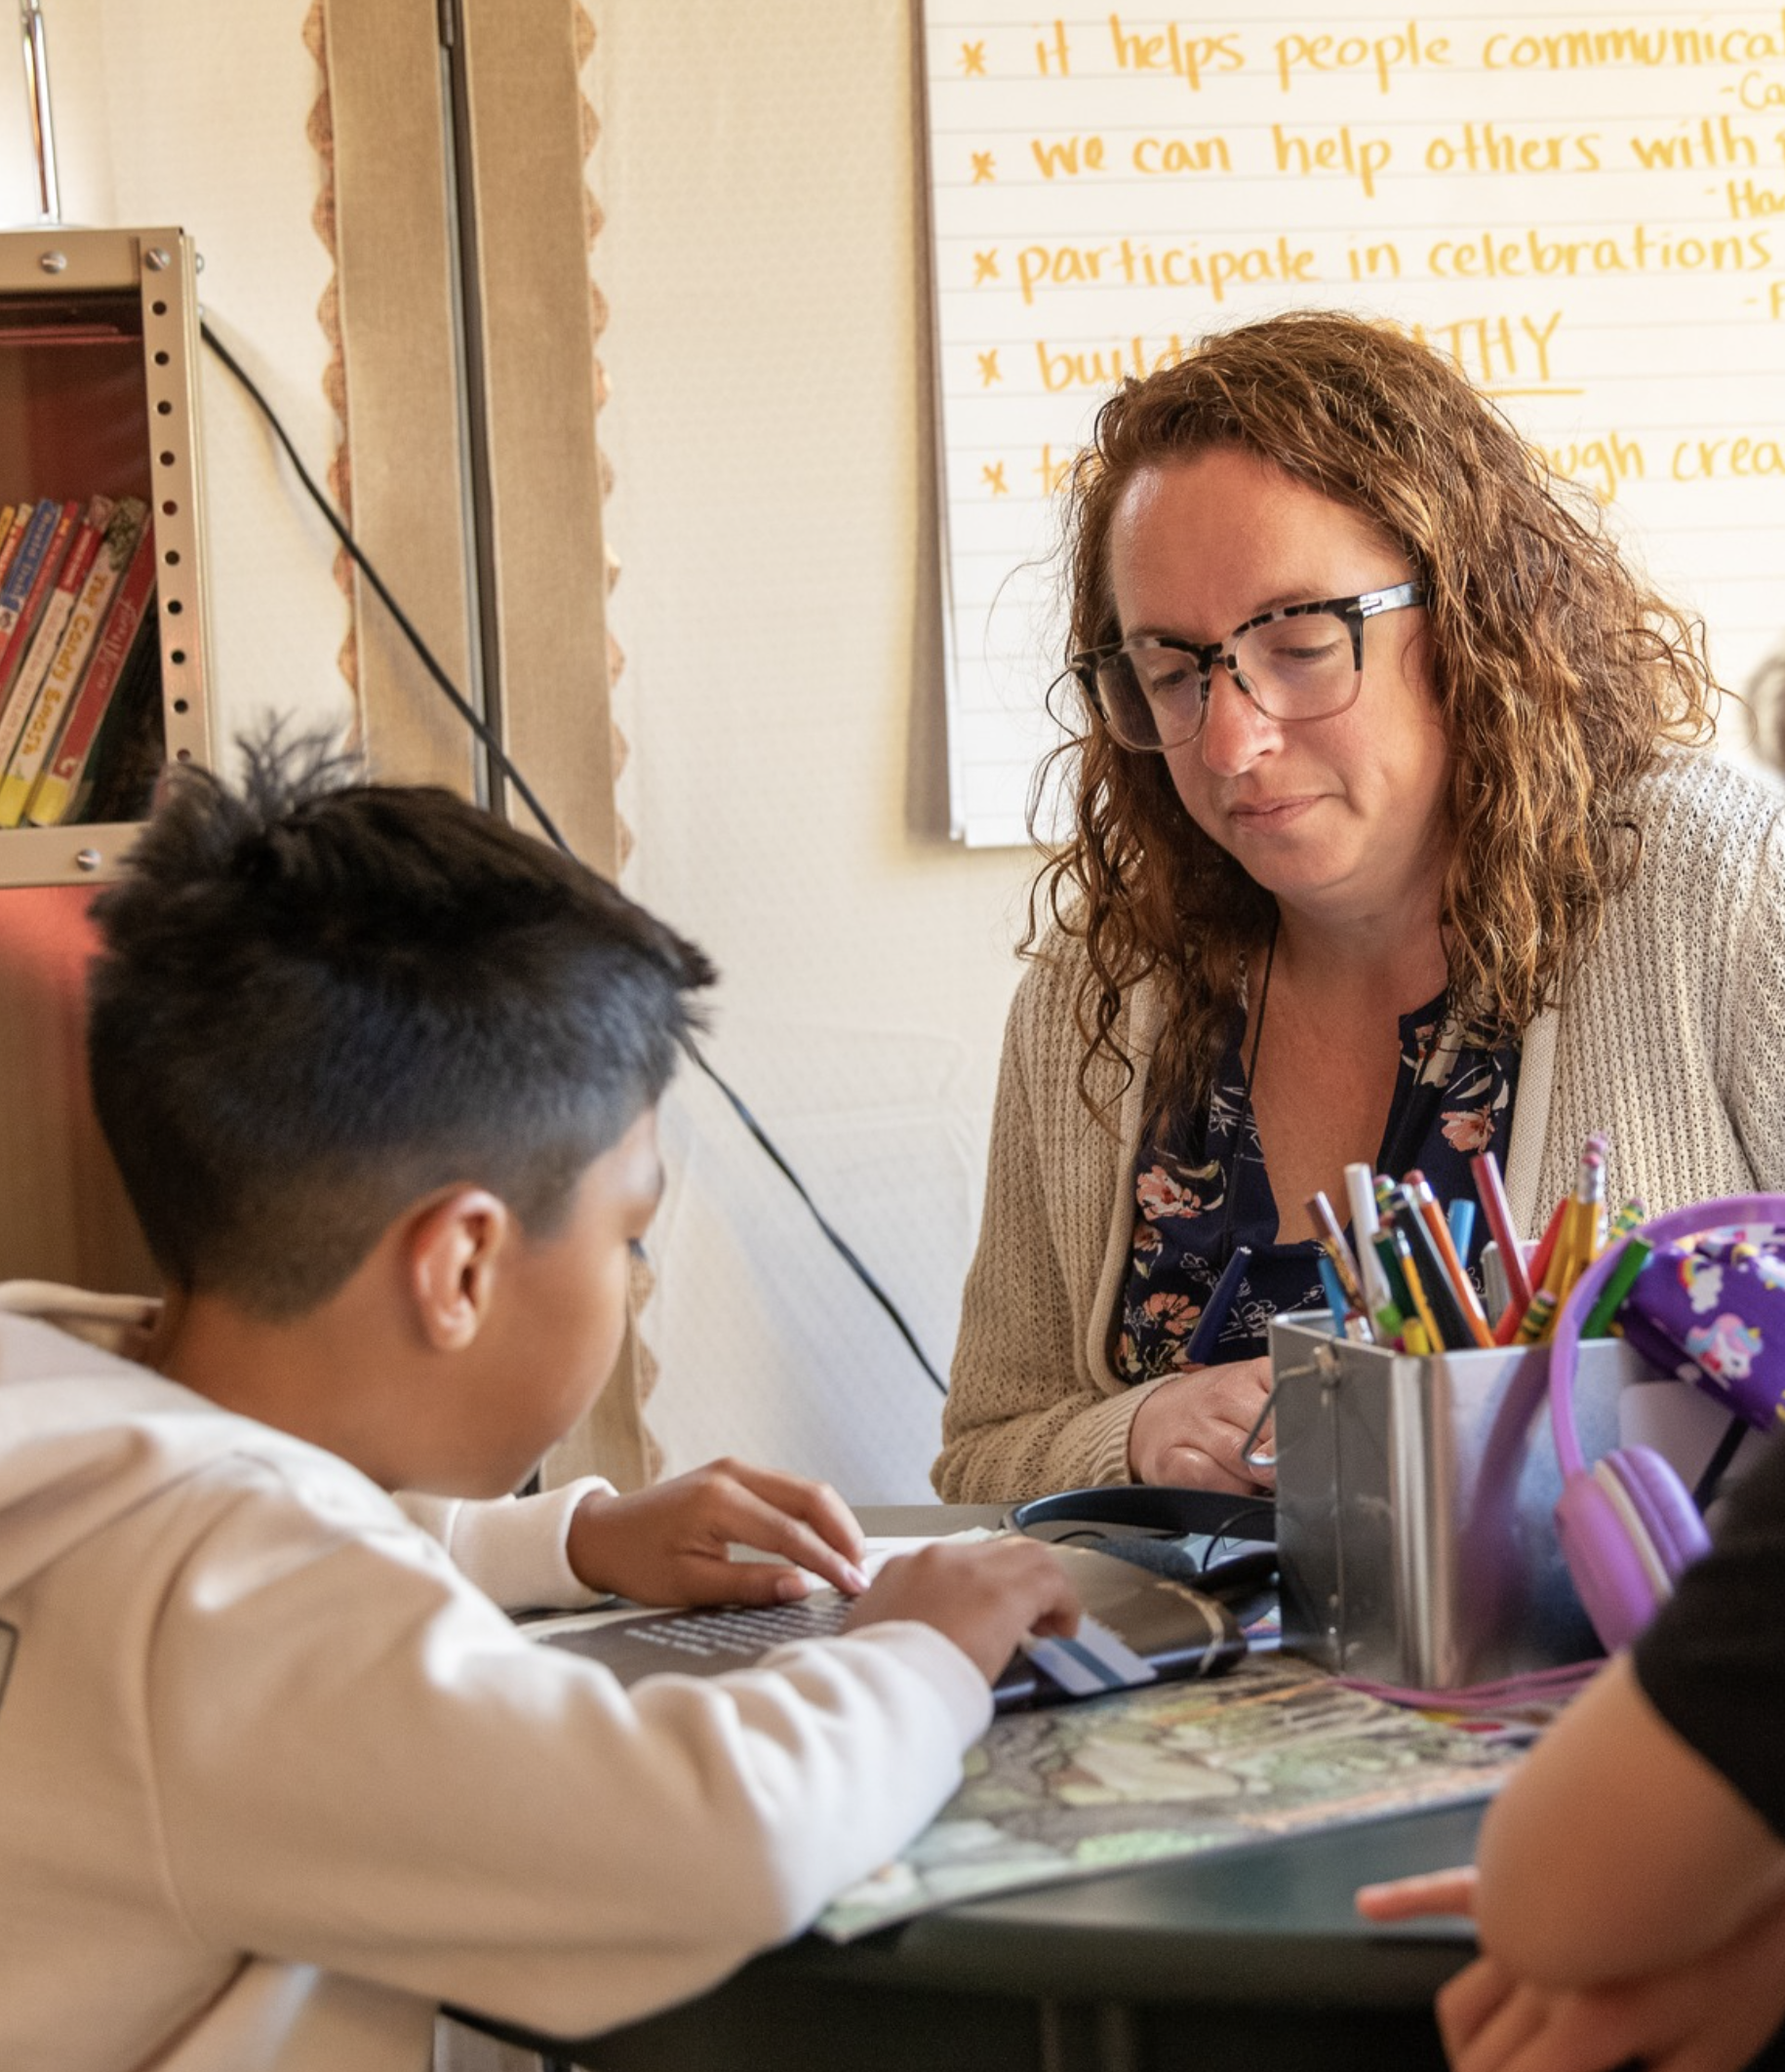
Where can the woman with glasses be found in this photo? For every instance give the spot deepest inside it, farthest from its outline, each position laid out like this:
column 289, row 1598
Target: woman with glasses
column 1396, row 840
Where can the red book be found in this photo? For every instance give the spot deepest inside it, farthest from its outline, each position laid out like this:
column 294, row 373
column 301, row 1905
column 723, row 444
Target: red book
column 60, row 779
column 18, row 639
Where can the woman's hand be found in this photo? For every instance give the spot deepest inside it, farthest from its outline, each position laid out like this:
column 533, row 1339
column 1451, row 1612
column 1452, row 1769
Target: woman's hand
column 671, row 1544
column 1189, row 1431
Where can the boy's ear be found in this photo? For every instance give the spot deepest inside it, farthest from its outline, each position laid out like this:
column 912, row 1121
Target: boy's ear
column 450, row 1254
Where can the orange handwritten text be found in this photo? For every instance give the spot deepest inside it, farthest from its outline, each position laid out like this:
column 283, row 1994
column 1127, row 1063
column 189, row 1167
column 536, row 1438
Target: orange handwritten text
column 1713, row 142
column 1484, row 147
column 1190, row 56
column 1053, row 469
column 1750, row 199
column 1385, row 56
column 1135, row 263
column 1068, row 155
column 1331, row 152
column 1640, row 250
column 1182, row 154
column 1496, row 348
column 1581, row 49
column 1099, row 369
column 1713, row 459
column 1604, row 464
column 1759, row 94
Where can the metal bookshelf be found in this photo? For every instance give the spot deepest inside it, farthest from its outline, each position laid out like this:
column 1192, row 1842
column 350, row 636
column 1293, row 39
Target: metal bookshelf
column 98, row 392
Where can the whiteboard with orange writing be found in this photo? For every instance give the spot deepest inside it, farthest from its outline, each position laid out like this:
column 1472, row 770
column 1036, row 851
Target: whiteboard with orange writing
column 1585, row 208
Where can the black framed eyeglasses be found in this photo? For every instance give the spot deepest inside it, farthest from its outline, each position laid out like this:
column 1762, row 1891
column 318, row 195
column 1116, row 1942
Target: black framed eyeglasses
column 1304, row 662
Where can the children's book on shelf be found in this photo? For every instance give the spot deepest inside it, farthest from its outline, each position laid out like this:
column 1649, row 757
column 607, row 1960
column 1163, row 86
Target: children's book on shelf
column 22, row 595
column 89, row 590
column 79, row 662
column 26, row 715
column 125, row 760
column 126, row 645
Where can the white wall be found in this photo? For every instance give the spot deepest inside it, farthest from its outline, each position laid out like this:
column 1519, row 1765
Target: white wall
column 774, row 514
column 194, row 112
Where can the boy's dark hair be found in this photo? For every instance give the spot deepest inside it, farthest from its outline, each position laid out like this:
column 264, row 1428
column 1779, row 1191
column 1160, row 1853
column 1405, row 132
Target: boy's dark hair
column 319, row 999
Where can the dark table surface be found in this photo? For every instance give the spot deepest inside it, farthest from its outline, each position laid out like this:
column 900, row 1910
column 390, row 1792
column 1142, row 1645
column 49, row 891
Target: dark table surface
column 1250, row 1959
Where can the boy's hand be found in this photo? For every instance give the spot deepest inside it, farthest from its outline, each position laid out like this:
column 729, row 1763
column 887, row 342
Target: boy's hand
column 669, row 1544
column 984, row 1598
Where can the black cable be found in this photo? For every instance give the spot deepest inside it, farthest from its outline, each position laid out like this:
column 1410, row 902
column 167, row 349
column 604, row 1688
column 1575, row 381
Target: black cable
column 338, row 526
column 474, row 720
column 844, row 1249
column 1704, row 1490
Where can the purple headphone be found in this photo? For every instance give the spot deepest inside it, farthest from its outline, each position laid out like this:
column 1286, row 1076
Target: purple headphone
column 1628, row 1525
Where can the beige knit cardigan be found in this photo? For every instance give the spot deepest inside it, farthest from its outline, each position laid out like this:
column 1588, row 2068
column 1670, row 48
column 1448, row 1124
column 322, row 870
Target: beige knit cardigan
column 1671, row 1038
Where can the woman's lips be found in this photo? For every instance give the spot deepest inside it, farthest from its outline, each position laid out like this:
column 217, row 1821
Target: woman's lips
column 1267, row 815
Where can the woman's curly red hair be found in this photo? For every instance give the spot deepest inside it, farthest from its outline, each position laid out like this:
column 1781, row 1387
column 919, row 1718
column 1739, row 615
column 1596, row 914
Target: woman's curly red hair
column 1557, row 673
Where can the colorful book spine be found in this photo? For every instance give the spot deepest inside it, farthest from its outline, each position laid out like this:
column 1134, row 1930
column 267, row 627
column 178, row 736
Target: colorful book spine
column 67, row 770
column 30, row 538
column 85, row 592
column 38, row 711
column 28, row 583
column 12, row 531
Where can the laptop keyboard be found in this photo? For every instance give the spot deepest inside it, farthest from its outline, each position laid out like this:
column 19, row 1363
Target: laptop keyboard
column 745, row 1631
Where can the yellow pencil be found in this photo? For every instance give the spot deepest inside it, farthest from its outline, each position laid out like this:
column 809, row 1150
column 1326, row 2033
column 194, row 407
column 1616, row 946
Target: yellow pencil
column 1410, row 1274
column 1533, row 1326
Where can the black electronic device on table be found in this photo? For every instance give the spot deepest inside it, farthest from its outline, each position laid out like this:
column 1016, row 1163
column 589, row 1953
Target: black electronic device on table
column 1221, row 1544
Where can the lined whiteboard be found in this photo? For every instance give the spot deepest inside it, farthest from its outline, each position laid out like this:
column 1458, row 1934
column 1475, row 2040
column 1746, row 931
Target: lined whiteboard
column 1586, row 208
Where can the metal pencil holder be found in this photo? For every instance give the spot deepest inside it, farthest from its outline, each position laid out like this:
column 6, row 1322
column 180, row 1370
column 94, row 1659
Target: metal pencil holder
column 1416, row 1503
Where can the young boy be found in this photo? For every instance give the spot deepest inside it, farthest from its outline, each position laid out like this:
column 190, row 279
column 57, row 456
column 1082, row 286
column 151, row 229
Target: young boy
column 276, row 1776
column 1631, row 1885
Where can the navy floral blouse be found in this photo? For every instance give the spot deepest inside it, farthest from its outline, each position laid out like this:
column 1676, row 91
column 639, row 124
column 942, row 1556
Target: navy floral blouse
column 1453, row 1099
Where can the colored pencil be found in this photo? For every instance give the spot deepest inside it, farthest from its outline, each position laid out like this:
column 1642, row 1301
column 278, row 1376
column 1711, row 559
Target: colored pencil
column 1361, row 1193
column 1533, row 1326
column 1326, row 1225
column 1335, row 1294
column 1634, row 1256
column 1535, row 1268
column 1458, row 1286
column 1492, row 1189
column 1415, row 1287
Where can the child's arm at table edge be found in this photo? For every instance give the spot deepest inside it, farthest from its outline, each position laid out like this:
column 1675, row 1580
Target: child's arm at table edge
column 1617, row 1848
column 1587, row 1856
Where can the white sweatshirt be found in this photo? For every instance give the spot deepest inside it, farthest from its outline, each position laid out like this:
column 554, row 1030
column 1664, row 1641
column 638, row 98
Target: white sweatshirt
column 276, row 1776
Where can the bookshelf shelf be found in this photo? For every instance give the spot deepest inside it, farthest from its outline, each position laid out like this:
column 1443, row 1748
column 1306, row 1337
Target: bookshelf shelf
column 98, row 361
